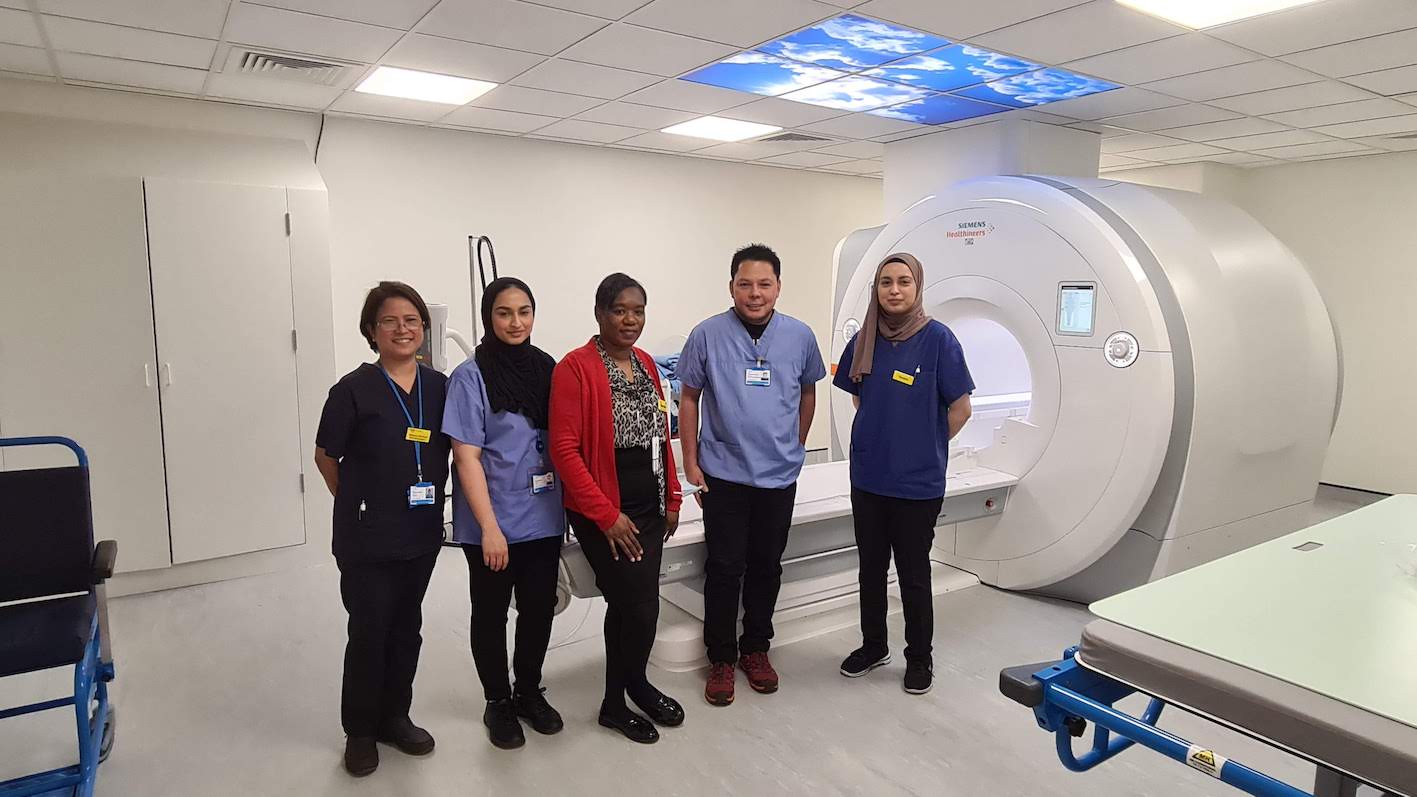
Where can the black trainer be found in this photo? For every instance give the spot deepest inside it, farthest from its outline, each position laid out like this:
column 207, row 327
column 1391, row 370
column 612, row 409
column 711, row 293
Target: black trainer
column 919, row 677
column 635, row 727
column 406, row 736
column 535, row 710
column 659, row 707
column 503, row 729
column 862, row 661
column 361, row 755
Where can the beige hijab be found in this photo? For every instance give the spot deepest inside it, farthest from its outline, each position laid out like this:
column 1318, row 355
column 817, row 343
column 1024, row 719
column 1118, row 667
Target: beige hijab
column 896, row 327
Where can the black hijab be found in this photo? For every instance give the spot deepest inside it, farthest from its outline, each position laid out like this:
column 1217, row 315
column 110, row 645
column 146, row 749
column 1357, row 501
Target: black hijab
column 518, row 378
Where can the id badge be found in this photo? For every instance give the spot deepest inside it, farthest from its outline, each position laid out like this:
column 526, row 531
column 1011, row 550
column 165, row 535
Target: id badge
column 903, row 378
column 422, row 494
column 758, row 377
column 543, row 482
column 416, row 435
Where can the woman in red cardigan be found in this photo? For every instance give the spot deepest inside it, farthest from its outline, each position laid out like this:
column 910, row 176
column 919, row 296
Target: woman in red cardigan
column 610, row 445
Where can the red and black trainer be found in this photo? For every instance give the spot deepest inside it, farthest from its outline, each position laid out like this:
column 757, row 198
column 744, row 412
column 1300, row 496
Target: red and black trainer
column 761, row 676
column 719, row 690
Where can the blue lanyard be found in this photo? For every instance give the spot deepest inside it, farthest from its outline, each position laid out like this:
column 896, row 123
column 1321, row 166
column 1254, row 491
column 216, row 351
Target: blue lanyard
column 398, row 398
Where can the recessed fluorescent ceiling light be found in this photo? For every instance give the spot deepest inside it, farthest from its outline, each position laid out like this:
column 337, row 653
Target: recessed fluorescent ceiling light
column 852, row 63
column 720, row 129
column 1206, row 13
column 426, row 86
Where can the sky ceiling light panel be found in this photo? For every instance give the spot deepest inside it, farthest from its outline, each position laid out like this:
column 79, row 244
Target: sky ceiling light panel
column 852, row 43
column 760, row 73
column 1032, row 89
column 938, row 109
column 952, row 68
column 856, row 93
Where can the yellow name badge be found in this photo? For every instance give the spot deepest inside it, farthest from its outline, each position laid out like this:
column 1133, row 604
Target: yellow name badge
column 417, row 435
column 662, row 406
column 903, row 378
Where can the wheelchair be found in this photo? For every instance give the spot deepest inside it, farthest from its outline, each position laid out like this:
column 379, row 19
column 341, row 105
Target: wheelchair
column 53, row 607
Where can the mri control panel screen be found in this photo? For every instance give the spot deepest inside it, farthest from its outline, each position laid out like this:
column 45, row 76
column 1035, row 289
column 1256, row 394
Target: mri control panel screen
column 1077, row 308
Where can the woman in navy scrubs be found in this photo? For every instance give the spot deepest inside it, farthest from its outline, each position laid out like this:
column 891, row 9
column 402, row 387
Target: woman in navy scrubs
column 911, row 388
column 384, row 457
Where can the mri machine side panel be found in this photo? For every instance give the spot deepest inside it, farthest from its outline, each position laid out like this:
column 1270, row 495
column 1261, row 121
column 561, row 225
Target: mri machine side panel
column 1265, row 365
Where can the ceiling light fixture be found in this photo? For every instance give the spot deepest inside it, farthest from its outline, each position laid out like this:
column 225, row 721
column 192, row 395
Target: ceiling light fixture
column 426, row 86
column 1208, row 13
column 720, row 129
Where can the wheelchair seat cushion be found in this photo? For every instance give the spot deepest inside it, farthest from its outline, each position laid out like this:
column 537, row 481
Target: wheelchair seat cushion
column 44, row 634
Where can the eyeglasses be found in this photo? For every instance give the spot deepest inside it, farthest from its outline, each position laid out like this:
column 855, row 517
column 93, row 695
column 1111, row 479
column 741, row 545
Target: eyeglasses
column 390, row 324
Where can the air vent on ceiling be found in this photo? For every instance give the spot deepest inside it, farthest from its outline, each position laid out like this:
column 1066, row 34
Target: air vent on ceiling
column 783, row 138
column 285, row 67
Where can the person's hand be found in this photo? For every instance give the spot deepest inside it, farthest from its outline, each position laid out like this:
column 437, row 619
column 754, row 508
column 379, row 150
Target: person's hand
column 623, row 536
column 494, row 550
column 671, row 524
column 695, row 476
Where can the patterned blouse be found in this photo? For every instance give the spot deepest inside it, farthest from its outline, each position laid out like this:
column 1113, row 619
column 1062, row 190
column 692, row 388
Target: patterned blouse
column 637, row 418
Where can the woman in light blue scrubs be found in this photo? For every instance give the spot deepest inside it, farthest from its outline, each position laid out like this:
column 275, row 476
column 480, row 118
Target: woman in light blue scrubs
column 911, row 387
column 507, row 510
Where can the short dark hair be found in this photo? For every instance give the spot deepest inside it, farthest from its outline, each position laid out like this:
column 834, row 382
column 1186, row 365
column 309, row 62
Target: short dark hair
column 612, row 286
column 381, row 293
column 759, row 252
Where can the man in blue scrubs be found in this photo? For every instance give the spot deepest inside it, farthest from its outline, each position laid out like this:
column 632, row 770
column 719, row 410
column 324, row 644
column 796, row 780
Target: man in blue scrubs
column 748, row 399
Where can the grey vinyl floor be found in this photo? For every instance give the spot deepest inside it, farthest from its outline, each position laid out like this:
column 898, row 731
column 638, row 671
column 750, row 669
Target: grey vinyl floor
column 233, row 688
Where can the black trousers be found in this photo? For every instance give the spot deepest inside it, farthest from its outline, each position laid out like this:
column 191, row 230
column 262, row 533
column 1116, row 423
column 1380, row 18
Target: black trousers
column 905, row 528
column 745, row 529
column 631, row 589
column 531, row 574
column 385, row 605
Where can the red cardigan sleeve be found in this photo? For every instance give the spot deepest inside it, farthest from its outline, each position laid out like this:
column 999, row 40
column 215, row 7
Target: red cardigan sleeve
column 569, row 449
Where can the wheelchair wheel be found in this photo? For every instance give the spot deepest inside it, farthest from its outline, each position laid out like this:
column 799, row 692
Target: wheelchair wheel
column 105, row 745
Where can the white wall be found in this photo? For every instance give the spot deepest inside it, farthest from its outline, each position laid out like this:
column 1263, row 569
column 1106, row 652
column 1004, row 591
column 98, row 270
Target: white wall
column 404, row 199
column 1353, row 222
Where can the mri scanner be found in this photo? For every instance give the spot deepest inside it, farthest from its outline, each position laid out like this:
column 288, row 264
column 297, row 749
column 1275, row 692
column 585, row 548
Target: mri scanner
column 1157, row 380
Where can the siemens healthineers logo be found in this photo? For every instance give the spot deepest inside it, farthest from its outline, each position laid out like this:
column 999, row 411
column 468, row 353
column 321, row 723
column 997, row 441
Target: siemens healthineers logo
column 970, row 231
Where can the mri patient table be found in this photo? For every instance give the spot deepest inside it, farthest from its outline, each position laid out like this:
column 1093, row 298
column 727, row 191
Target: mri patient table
column 1307, row 642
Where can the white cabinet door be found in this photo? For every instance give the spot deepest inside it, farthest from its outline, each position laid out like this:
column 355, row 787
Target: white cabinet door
column 221, row 284
column 76, row 348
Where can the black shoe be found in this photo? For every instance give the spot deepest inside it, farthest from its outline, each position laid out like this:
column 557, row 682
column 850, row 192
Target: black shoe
column 406, row 736
column 361, row 755
column 659, row 707
column 862, row 661
column 919, row 677
column 635, row 727
column 534, row 709
column 503, row 729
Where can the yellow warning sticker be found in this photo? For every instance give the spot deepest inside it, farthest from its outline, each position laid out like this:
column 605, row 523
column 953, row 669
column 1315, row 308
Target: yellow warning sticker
column 1207, row 761
column 903, row 378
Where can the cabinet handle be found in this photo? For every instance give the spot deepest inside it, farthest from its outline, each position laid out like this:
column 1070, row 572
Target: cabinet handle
column 147, row 376
column 167, row 374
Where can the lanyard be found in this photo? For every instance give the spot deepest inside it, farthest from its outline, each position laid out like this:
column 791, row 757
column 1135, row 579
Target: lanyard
column 398, row 397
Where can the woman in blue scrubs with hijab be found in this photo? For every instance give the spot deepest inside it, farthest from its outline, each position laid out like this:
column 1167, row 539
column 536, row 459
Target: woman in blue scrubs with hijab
column 507, row 510
column 909, row 381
